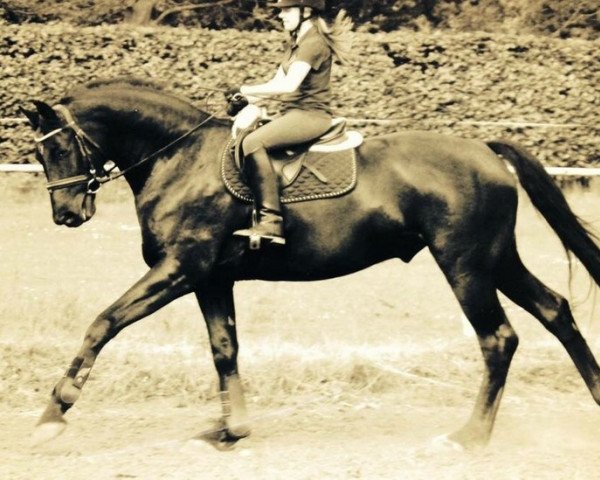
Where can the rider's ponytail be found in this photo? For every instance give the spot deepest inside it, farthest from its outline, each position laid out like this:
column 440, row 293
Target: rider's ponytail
column 338, row 36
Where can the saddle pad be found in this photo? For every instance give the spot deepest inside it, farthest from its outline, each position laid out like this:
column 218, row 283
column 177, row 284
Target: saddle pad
column 338, row 168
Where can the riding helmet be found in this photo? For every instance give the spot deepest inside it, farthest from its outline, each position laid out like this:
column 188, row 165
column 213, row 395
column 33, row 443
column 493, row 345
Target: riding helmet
column 318, row 5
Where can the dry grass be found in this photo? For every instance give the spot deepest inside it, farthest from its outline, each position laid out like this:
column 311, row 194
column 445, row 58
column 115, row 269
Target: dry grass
column 331, row 339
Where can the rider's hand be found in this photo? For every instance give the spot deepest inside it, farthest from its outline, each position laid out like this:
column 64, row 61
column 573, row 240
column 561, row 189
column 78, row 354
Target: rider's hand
column 246, row 119
column 229, row 92
column 235, row 102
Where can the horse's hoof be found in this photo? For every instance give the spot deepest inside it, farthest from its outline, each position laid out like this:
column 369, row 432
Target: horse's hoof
column 45, row 432
column 222, row 437
column 444, row 443
column 237, row 431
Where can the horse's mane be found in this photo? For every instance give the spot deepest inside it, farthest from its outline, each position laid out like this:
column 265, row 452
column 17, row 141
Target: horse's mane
column 133, row 86
column 126, row 81
column 146, row 84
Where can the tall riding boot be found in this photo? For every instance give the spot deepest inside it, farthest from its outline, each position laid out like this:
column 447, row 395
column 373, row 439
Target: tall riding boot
column 264, row 185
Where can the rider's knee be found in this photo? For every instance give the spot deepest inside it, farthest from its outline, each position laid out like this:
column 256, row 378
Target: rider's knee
column 250, row 145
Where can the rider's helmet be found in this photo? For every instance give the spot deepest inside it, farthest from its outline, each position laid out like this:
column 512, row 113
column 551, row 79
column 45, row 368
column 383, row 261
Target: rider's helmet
column 318, row 5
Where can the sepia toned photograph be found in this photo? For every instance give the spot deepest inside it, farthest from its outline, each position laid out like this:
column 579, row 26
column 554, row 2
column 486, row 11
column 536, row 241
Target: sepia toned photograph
column 300, row 239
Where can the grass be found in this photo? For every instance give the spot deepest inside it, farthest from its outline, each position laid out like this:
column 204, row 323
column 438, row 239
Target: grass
column 333, row 339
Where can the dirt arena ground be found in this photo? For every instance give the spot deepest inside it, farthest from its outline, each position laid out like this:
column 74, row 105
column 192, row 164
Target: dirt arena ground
column 348, row 378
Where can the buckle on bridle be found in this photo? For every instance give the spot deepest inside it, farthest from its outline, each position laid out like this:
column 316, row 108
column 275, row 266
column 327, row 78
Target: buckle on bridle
column 93, row 185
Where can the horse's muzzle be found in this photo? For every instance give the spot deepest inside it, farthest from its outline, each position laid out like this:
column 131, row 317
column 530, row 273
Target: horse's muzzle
column 69, row 219
column 75, row 217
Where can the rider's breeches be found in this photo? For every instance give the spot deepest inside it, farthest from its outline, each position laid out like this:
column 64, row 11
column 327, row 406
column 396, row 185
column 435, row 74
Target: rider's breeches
column 293, row 127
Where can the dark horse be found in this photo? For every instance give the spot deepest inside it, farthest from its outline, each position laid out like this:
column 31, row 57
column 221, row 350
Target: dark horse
column 415, row 190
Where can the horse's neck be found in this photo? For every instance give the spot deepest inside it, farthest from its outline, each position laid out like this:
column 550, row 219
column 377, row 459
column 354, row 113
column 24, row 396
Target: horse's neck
column 136, row 145
column 189, row 177
column 198, row 151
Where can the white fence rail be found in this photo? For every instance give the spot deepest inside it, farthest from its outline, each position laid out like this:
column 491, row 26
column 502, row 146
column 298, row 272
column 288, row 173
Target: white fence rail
column 556, row 171
column 574, row 171
column 11, row 167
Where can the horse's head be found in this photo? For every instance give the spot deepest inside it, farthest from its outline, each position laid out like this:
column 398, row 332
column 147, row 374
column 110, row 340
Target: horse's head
column 67, row 161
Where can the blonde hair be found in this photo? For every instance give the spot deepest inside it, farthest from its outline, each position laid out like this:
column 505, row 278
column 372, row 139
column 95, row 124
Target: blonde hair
column 338, row 36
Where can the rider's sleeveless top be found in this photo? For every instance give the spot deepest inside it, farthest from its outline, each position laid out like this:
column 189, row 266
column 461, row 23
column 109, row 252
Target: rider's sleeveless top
column 315, row 91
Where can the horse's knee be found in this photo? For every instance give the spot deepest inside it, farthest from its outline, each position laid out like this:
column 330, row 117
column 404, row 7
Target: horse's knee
column 509, row 340
column 252, row 143
column 224, row 352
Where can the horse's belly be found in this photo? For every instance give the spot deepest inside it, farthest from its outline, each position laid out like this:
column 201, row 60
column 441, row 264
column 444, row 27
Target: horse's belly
column 318, row 260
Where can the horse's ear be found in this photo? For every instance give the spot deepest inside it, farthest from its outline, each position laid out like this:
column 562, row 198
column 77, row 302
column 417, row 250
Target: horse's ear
column 45, row 110
column 33, row 117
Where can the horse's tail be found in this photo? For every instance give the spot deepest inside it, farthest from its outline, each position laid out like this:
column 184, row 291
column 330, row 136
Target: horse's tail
column 547, row 198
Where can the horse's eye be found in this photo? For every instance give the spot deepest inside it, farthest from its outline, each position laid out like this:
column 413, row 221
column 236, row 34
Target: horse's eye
column 61, row 152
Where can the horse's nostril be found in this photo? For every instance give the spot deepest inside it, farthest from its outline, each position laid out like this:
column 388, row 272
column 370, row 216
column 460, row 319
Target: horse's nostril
column 73, row 220
column 68, row 218
column 59, row 219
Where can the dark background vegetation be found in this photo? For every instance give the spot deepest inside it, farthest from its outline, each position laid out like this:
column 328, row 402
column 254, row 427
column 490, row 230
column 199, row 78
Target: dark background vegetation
column 480, row 69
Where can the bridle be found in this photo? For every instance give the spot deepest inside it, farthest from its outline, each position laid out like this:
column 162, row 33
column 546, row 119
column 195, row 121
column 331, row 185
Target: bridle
column 86, row 144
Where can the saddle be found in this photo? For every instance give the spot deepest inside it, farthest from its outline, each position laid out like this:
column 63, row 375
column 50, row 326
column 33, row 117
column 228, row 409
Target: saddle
column 322, row 168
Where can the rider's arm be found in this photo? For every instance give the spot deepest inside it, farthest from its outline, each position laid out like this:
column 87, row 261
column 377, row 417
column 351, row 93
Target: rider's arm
column 281, row 83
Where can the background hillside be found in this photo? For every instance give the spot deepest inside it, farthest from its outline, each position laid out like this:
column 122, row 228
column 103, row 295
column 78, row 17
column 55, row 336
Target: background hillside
column 541, row 91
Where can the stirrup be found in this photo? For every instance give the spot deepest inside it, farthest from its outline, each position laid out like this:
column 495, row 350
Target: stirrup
column 256, row 238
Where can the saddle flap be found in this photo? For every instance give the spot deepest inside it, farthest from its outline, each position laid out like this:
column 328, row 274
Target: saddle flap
column 287, row 169
column 313, row 176
column 288, row 162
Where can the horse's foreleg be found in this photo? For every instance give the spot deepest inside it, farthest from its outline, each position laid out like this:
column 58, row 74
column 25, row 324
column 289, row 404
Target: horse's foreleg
column 162, row 284
column 216, row 302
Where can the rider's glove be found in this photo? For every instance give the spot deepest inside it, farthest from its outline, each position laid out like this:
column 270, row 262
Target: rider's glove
column 246, row 119
column 235, row 101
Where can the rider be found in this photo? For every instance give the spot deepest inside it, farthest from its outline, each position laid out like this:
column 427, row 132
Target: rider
column 303, row 81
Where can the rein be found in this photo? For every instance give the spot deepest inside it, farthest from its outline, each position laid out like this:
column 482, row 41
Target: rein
column 84, row 142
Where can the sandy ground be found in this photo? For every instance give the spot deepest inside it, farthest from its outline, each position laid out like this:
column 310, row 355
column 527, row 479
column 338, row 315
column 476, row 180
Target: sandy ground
column 378, row 438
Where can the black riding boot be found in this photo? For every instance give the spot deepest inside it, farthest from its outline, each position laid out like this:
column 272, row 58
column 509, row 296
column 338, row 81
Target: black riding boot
column 264, row 185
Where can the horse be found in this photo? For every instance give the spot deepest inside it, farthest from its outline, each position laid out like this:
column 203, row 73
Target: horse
column 456, row 197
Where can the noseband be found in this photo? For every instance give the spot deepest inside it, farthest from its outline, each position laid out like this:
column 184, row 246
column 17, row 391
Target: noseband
column 85, row 144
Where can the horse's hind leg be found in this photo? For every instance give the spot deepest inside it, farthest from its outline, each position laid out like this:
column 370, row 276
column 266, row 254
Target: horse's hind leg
column 477, row 296
column 552, row 310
